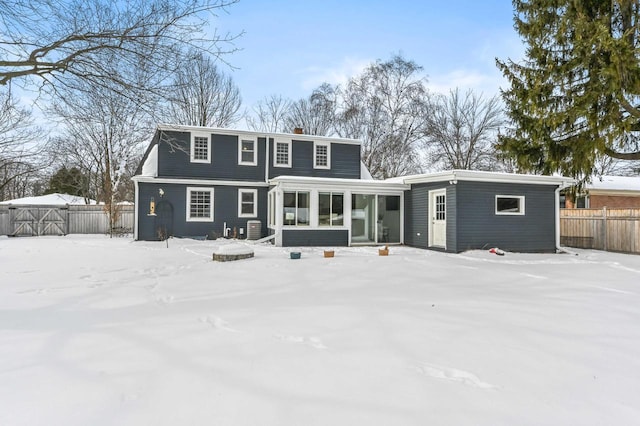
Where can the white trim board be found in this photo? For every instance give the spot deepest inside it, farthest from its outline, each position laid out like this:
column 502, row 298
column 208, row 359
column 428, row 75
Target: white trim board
column 210, row 182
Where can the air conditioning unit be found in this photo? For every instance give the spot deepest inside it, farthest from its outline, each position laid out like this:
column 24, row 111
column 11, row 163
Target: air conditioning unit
column 254, row 229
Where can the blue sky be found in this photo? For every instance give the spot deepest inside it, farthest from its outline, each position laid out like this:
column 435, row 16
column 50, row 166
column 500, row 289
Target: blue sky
column 290, row 47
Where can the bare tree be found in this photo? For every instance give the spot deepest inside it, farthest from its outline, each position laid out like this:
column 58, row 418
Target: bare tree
column 104, row 134
column 386, row 106
column 315, row 115
column 57, row 40
column 202, row 95
column 270, row 114
column 19, row 146
column 462, row 129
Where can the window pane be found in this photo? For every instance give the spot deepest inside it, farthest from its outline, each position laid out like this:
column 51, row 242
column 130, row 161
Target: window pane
column 303, row 208
column 508, row 205
column 337, row 210
column 324, row 209
column 282, row 153
column 200, row 205
column 321, row 155
column 247, row 197
column 200, row 147
column 289, row 210
column 247, row 154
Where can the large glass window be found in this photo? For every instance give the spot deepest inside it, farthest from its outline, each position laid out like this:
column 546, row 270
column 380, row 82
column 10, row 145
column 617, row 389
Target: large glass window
column 296, row 208
column 200, row 204
column 363, row 218
column 388, row 225
column 330, row 209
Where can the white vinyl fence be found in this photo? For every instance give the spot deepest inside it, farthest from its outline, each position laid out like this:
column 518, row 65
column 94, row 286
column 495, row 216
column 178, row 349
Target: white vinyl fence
column 33, row 220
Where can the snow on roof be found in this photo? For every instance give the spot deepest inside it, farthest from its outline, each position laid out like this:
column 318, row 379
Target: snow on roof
column 615, row 183
column 54, row 199
column 150, row 166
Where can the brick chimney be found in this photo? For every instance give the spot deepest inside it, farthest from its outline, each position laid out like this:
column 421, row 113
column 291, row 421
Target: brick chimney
column 298, row 131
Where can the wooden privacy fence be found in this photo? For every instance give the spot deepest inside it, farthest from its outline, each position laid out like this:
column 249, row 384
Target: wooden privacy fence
column 31, row 220
column 601, row 229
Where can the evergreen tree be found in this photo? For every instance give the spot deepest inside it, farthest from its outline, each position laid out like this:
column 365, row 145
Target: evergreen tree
column 68, row 181
column 575, row 98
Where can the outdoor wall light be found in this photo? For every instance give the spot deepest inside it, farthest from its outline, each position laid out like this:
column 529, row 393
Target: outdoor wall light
column 152, row 207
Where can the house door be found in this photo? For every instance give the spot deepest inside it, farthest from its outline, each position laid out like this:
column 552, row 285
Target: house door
column 164, row 220
column 438, row 218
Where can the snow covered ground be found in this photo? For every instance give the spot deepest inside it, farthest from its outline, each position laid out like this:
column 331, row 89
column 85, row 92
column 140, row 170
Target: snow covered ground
column 98, row 331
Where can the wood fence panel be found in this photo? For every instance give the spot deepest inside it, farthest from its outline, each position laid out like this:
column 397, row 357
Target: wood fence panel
column 602, row 229
column 79, row 219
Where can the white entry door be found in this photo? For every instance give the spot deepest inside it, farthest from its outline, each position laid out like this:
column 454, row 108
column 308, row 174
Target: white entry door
column 438, row 218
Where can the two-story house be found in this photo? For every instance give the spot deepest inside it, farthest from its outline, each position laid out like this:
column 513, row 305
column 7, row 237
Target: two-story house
column 311, row 190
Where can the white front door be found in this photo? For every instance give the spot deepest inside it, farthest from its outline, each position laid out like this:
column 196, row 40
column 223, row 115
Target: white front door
column 438, row 218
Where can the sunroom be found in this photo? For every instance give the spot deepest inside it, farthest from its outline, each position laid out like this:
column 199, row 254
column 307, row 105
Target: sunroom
column 307, row 211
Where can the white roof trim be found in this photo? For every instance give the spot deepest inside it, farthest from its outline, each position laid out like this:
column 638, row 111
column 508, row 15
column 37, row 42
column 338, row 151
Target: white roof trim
column 234, row 132
column 478, row 176
column 210, row 182
column 150, row 166
column 304, row 181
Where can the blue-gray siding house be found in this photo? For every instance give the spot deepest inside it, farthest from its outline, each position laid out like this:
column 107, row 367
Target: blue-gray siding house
column 308, row 190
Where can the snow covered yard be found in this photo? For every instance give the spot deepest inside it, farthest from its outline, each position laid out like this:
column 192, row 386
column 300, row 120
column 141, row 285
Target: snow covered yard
column 98, row 331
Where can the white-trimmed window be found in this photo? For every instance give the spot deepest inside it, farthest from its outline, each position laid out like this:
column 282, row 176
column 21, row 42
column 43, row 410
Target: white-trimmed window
column 296, row 208
column 282, row 156
column 199, row 204
column 247, row 202
column 510, row 204
column 247, row 151
column 330, row 209
column 321, row 155
column 200, row 151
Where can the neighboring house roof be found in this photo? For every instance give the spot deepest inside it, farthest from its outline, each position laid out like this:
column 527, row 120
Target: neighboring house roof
column 480, row 176
column 614, row 184
column 54, row 199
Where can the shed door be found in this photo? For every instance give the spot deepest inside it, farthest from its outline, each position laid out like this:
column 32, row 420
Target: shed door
column 438, row 218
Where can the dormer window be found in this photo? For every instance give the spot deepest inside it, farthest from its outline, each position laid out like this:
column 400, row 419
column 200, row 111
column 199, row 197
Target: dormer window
column 321, row 155
column 282, row 157
column 247, row 151
column 200, row 151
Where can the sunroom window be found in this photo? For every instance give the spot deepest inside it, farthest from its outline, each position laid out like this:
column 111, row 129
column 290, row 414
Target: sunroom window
column 330, row 209
column 296, row 208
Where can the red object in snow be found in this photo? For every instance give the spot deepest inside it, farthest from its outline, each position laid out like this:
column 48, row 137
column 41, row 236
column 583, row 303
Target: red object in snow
column 496, row 250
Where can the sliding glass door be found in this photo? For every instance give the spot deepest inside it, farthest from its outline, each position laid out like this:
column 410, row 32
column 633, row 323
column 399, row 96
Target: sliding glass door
column 375, row 219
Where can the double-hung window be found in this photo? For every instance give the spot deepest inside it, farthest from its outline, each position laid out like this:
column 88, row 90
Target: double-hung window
column 247, row 202
column 199, row 204
column 321, row 155
column 282, row 156
column 330, row 209
column 296, row 208
column 247, row 151
column 510, row 205
column 200, row 151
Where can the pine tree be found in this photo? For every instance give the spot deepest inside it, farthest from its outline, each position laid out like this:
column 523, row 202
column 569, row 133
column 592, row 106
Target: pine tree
column 576, row 96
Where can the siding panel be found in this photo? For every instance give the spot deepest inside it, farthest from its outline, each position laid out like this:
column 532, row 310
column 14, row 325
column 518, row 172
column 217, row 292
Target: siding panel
column 479, row 227
column 315, row 237
column 345, row 161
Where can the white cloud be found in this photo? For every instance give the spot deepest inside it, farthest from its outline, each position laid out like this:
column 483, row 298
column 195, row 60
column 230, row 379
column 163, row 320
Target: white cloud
column 340, row 73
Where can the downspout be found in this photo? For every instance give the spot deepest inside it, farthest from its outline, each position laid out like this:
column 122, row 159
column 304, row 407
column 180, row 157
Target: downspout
column 562, row 186
column 266, row 156
column 135, row 209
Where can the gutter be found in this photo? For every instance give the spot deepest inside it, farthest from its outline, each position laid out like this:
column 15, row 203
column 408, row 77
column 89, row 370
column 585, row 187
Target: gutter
column 562, row 186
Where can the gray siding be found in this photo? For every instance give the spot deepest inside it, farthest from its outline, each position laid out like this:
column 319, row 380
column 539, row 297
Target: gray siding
column 416, row 207
column 315, row 237
column 174, row 160
column 345, row 161
column 225, row 210
column 472, row 222
column 479, row 227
